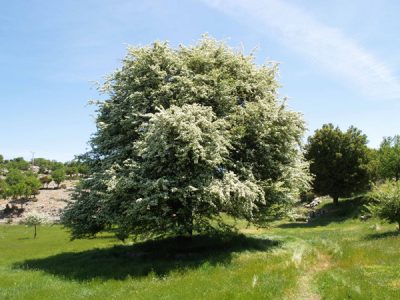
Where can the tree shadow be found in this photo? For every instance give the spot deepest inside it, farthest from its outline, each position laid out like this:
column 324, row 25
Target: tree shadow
column 159, row 257
column 382, row 235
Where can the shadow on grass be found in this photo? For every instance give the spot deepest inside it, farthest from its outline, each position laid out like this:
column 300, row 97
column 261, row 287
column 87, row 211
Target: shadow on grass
column 346, row 209
column 159, row 257
column 383, row 235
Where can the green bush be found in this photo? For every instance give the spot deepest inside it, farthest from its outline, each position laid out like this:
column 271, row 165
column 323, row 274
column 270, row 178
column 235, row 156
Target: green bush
column 385, row 202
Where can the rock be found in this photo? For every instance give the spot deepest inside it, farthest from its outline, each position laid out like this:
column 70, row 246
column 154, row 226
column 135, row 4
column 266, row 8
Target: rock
column 365, row 217
column 313, row 203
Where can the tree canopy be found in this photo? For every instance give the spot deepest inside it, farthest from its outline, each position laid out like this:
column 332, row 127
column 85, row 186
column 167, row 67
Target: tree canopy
column 185, row 135
column 389, row 158
column 339, row 160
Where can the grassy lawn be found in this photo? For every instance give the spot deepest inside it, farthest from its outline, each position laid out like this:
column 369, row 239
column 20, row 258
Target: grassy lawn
column 334, row 257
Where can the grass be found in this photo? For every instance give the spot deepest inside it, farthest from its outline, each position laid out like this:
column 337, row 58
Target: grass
column 335, row 256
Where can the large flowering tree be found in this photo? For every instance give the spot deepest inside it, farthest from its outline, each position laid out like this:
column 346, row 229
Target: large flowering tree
column 185, row 136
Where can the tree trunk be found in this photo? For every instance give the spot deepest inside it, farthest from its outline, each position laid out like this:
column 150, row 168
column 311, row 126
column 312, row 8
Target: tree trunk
column 34, row 235
column 336, row 200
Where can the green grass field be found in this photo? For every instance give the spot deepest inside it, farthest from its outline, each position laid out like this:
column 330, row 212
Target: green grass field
column 335, row 257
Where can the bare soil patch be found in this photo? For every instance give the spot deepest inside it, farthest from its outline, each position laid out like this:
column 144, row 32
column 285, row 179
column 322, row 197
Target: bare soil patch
column 49, row 203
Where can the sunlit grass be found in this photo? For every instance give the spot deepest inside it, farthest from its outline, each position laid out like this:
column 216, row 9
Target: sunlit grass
column 328, row 258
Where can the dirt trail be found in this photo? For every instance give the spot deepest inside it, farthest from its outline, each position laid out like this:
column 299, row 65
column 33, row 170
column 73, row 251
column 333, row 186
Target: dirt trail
column 305, row 283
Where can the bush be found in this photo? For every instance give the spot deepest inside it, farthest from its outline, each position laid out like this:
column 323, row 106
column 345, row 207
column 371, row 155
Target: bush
column 385, row 202
column 58, row 176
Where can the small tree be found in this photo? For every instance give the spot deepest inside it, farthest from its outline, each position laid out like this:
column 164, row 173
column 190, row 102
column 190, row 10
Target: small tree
column 18, row 163
column 389, row 158
column 15, row 180
column 45, row 180
column 33, row 185
column 34, row 220
column 58, row 176
column 386, row 202
column 339, row 160
column 4, row 189
column 71, row 171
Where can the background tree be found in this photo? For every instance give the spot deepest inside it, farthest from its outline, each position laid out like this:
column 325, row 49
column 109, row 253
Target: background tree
column 185, row 135
column 15, row 180
column 386, row 202
column 389, row 158
column 43, row 164
column 339, row 160
column 373, row 165
column 4, row 189
column 34, row 220
column 33, row 184
column 18, row 163
column 72, row 171
column 45, row 180
column 58, row 175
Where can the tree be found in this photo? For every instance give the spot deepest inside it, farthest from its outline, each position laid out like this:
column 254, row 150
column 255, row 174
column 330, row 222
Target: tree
column 386, row 202
column 339, row 160
column 389, row 158
column 58, row 175
column 4, row 189
column 19, row 184
column 43, row 164
column 33, row 184
column 45, row 180
column 34, row 220
column 18, row 163
column 71, row 171
column 188, row 134
column 15, row 180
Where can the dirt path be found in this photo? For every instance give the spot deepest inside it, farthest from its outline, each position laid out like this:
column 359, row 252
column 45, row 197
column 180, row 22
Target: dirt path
column 305, row 283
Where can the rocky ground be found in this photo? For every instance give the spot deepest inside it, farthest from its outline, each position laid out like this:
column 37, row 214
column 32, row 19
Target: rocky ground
column 49, row 204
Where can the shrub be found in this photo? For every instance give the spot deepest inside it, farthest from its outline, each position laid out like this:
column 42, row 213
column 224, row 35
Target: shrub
column 385, row 202
column 58, row 176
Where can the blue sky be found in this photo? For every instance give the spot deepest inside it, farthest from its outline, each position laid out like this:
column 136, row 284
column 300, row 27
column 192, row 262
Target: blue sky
column 339, row 60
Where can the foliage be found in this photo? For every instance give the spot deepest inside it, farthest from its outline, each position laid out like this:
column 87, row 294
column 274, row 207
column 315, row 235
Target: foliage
column 389, row 158
column 4, row 189
column 16, row 183
column 45, row 180
column 17, row 163
column 76, row 168
column 33, row 184
column 58, row 175
column 34, row 220
column 186, row 134
column 339, row 160
column 20, row 184
column 46, row 165
column 373, row 165
column 386, row 202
